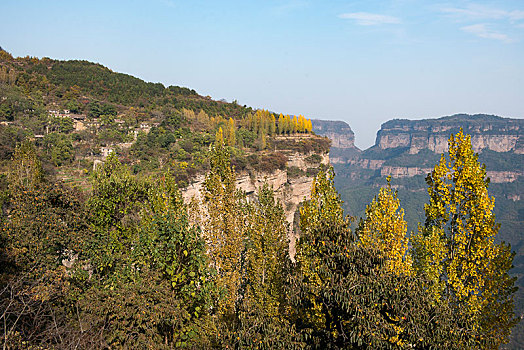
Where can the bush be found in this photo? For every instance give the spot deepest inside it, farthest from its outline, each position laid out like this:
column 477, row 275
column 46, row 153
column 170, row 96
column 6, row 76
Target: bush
column 268, row 162
column 294, row 172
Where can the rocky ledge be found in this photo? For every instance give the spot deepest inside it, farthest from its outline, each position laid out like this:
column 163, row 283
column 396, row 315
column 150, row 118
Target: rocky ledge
column 487, row 132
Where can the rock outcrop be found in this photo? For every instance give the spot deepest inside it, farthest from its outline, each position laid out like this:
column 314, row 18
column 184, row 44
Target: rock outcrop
column 343, row 149
column 338, row 132
column 487, row 132
column 291, row 185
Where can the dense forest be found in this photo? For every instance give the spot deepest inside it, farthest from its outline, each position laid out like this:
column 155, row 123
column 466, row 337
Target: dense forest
column 131, row 266
column 99, row 250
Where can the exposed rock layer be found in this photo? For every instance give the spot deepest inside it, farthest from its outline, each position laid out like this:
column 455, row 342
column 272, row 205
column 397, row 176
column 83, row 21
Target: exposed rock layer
column 290, row 191
column 487, row 132
column 343, row 148
column 338, row 132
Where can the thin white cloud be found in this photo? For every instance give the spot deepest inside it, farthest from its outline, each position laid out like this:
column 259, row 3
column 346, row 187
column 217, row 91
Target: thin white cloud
column 479, row 12
column 482, row 31
column 370, row 19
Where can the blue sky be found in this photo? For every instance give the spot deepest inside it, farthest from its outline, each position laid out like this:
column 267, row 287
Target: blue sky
column 363, row 62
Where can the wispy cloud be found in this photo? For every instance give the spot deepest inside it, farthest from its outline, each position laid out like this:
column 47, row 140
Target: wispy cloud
column 506, row 21
column 370, row 19
column 482, row 31
column 479, row 12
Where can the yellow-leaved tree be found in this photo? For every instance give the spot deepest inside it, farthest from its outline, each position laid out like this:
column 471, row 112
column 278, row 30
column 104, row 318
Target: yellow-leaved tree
column 456, row 247
column 230, row 134
column 384, row 228
column 223, row 224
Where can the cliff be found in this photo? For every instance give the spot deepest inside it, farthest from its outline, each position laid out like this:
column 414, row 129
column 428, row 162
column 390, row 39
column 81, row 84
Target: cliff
column 343, row 148
column 487, row 132
column 407, row 150
column 292, row 185
column 338, row 132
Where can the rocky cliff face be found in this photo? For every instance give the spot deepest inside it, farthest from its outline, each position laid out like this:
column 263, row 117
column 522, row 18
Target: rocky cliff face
column 503, row 137
column 291, row 186
column 343, row 148
column 487, row 132
column 338, row 132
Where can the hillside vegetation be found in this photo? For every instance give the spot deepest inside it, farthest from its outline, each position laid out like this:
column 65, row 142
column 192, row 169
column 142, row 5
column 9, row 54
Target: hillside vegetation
column 99, row 250
column 77, row 112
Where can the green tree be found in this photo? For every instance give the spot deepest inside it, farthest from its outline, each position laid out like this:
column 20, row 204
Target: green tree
column 59, row 148
column 343, row 294
column 456, row 247
column 231, row 131
column 261, row 314
column 151, row 286
column 41, row 238
column 323, row 209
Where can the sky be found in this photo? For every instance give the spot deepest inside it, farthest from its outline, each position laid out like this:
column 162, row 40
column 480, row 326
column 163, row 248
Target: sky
column 363, row 62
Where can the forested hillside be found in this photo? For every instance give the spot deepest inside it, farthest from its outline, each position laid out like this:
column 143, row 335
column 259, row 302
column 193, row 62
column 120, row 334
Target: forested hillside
column 78, row 112
column 99, row 249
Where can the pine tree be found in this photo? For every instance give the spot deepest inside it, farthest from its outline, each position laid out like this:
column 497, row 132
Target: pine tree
column 456, row 246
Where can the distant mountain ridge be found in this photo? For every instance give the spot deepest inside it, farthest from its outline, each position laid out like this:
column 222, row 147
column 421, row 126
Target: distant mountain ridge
column 487, row 131
column 407, row 150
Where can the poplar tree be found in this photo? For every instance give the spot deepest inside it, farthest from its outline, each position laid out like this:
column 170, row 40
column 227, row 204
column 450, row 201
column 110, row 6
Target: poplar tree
column 294, row 124
column 287, row 124
column 384, row 228
column 281, row 124
column 456, row 247
column 231, row 139
column 261, row 316
column 272, row 125
column 344, row 295
column 223, row 224
column 322, row 210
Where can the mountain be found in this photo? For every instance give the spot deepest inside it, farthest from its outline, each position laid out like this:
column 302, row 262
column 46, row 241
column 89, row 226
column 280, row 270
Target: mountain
column 78, row 112
column 488, row 132
column 342, row 138
column 407, row 150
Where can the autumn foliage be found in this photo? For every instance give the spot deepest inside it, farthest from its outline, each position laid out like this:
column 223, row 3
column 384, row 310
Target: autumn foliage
column 132, row 266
